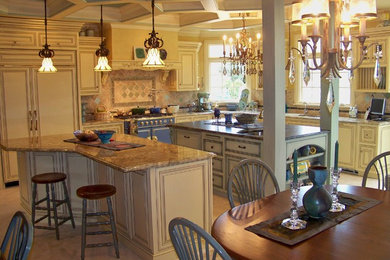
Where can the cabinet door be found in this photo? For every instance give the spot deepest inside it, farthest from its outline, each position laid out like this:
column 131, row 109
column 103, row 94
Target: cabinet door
column 347, row 141
column 56, row 99
column 162, row 134
column 188, row 71
column 144, row 133
column 89, row 79
column 190, row 139
column 365, row 155
column 15, row 115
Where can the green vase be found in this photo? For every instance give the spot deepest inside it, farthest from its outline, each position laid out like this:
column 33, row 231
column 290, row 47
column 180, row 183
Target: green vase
column 317, row 201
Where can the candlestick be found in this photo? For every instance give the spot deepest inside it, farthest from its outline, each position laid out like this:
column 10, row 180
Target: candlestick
column 295, row 163
column 336, row 155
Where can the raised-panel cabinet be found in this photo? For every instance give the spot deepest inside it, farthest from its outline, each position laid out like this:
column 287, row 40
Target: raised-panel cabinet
column 90, row 80
column 347, row 141
column 116, row 126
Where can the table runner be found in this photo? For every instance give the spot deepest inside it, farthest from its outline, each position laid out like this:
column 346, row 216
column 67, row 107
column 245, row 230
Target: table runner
column 113, row 145
column 273, row 230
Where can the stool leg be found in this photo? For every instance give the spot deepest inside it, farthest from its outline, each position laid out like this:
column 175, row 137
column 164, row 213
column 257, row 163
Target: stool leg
column 113, row 228
column 68, row 203
column 83, row 228
column 53, row 194
column 34, row 198
column 48, row 205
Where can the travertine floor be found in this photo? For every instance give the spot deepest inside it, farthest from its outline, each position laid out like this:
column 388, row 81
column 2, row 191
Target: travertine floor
column 45, row 245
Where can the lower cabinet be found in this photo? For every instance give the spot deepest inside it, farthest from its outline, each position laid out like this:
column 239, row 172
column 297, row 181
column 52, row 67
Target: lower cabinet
column 116, row 126
column 192, row 117
column 347, row 145
column 160, row 134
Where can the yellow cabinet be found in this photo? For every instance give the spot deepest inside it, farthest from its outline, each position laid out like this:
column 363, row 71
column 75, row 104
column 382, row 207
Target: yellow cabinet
column 188, row 72
column 347, row 141
column 90, row 80
column 116, row 126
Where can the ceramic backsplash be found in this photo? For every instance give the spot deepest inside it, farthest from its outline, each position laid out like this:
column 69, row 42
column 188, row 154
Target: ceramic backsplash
column 126, row 89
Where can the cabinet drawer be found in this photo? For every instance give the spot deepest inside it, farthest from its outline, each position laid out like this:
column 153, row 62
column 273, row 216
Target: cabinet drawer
column 17, row 39
column 242, row 147
column 367, row 134
column 217, row 164
column 189, row 139
column 218, row 181
column 212, row 146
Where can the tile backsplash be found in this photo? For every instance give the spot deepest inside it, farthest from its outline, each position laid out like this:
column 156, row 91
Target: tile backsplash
column 125, row 89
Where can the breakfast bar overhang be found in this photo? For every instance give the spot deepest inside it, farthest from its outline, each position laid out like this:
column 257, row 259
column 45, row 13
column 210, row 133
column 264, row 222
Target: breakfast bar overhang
column 155, row 183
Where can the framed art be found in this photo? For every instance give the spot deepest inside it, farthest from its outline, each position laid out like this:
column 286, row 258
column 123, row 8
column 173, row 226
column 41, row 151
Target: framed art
column 139, row 53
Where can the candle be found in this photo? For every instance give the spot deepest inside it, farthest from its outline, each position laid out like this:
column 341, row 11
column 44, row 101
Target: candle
column 303, row 31
column 224, row 43
column 346, row 33
column 231, row 45
column 336, row 155
column 295, row 163
column 362, row 26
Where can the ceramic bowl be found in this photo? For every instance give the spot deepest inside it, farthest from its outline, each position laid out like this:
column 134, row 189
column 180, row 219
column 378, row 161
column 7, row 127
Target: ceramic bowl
column 85, row 135
column 104, row 135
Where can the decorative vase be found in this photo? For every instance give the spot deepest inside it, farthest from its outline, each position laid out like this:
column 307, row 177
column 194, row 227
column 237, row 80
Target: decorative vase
column 317, row 201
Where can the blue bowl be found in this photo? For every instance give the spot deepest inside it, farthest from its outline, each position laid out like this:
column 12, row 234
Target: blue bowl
column 104, row 135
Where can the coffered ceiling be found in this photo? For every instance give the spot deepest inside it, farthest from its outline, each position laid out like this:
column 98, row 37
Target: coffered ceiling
column 181, row 15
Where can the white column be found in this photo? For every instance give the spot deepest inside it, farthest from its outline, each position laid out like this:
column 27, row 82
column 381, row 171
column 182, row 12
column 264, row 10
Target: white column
column 274, row 144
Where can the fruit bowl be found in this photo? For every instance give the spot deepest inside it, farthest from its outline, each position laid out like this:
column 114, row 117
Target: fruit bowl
column 104, row 135
column 246, row 118
column 85, row 135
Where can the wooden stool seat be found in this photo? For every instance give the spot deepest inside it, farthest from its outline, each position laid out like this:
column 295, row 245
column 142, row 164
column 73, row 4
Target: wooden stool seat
column 50, row 177
column 95, row 192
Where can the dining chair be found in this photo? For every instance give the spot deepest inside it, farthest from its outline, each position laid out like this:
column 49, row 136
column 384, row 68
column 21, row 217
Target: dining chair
column 193, row 242
column 249, row 180
column 379, row 166
column 18, row 239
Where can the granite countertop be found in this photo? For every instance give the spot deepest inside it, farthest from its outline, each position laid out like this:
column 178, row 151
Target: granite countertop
column 292, row 131
column 153, row 154
column 341, row 119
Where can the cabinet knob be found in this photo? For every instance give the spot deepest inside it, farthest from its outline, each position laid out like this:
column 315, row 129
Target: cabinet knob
column 142, row 123
column 186, row 136
column 212, row 147
column 242, row 147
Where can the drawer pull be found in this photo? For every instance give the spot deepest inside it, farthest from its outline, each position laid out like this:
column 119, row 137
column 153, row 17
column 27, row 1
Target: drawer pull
column 212, row 147
column 242, row 147
column 186, row 136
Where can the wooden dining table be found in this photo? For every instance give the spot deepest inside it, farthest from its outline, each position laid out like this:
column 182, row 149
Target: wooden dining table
column 363, row 236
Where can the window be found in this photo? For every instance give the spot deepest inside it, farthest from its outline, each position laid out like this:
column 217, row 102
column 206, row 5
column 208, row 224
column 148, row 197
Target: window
column 222, row 88
column 311, row 93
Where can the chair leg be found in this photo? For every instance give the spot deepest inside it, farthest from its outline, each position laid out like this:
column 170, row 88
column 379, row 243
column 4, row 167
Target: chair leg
column 113, row 227
column 34, row 198
column 48, row 205
column 83, row 228
column 53, row 194
column 68, row 204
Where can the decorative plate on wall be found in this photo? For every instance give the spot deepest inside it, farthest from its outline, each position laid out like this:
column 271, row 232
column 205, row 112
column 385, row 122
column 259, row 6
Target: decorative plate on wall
column 163, row 54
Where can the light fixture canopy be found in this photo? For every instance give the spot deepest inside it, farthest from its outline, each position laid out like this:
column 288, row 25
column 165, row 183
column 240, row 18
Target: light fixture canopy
column 153, row 45
column 244, row 53
column 335, row 55
column 46, row 53
column 102, row 52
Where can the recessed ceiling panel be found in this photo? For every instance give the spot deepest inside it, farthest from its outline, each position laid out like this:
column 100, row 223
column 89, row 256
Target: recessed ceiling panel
column 182, row 6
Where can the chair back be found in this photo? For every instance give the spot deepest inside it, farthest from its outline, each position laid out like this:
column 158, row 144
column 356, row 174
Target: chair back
column 18, row 239
column 379, row 166
column 250, row 180
column 191, row 242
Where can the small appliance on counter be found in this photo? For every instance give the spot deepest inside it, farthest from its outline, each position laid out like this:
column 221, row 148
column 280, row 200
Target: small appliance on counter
column 203, row 103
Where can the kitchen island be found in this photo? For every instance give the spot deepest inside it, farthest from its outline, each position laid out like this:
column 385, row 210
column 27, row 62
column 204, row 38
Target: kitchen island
column 155, row 183
column 233, row 143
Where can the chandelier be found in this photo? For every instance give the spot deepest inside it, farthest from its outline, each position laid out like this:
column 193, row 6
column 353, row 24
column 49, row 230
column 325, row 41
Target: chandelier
column 102, row 52
column 336, row 54
column 244, row 53
column 153, row 45
column 46, row 53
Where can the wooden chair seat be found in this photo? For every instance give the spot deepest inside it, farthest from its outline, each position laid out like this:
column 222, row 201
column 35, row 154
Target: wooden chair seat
column 95, row 192
column 50, row 177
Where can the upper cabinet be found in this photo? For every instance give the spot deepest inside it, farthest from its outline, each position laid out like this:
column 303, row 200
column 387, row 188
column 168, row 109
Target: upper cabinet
column 187, row 78
column 364, row 75
column 90, row 80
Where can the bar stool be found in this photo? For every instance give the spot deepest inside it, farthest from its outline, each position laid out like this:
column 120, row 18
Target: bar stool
column 95, row 192
column 50, row 178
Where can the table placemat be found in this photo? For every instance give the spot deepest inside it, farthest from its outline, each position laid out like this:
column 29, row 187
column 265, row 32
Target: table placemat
column 113, row 145
column 273, row 229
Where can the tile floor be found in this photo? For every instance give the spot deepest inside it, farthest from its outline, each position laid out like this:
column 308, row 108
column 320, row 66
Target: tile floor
column 45, row 245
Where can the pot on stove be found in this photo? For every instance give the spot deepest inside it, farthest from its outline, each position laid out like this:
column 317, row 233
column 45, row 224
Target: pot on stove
column 155, row 110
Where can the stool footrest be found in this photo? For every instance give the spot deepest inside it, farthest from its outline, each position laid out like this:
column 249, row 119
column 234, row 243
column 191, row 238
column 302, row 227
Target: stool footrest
column 92, row 233
column 97, row 214
column 99, row 245
column 45, row 227
column 98, row 223
column 41, row 218
column 40, row 201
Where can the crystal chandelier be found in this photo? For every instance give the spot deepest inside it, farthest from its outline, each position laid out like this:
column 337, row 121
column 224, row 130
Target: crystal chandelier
column 336, row 55
column 46, row 53
column 153, row 45
column 244, row 54
column 102, row 52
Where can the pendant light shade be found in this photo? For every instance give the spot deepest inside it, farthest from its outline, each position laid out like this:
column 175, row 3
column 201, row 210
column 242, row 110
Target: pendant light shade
column 46, row 53
column 102, row 52
column 153, row 45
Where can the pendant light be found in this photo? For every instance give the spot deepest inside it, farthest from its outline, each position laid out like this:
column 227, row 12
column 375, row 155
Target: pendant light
column 153, row 45
column 102, row 52
column 46, row 53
